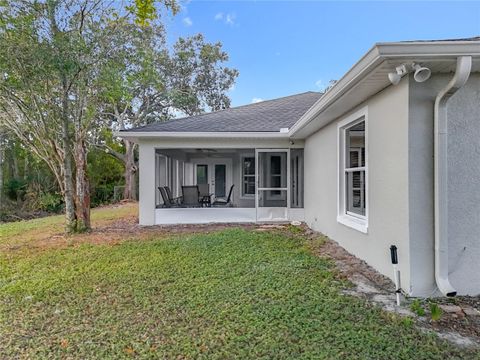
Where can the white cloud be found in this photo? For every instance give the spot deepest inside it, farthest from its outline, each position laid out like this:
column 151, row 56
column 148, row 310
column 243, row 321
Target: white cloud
column 187, row 21
column 228, row 19
column 256, row 100
column 319, row 84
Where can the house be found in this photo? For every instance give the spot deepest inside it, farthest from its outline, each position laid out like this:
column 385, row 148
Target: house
column 390, row 155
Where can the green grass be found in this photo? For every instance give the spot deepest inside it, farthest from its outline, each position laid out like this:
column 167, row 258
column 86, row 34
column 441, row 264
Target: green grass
column 233, row 294
column 29, row 232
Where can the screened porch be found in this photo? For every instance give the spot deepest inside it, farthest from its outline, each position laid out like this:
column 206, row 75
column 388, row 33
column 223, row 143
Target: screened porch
column 228, row 185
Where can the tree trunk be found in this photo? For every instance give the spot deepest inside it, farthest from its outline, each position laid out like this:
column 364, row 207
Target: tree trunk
column 16, row 172
column 83, row 187
column 25, row 168
column 130, row 192
column 1, row 170
column 68, row 192
column 70, row 217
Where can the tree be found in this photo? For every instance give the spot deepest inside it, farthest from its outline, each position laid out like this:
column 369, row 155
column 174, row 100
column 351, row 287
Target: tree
column 147, row 82
column 48, row 90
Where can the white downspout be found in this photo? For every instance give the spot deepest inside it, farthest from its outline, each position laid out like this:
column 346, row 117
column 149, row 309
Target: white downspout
column 464, row 65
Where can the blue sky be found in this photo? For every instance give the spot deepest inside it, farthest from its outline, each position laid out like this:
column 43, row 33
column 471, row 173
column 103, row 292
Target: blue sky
column 287, row 47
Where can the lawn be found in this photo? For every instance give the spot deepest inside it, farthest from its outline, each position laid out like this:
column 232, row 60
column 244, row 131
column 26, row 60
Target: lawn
column 230, row 294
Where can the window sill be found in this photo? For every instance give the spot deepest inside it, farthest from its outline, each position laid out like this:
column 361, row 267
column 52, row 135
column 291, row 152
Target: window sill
column 354, row 223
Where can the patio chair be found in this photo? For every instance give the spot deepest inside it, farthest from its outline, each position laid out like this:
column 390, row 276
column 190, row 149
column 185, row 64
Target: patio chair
column 223, row 202
column 204, row 193
column 190, row 196
column 171, row 199
column 166, row 201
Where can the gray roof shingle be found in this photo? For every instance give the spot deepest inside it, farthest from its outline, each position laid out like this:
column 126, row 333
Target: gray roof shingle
column 265, row 116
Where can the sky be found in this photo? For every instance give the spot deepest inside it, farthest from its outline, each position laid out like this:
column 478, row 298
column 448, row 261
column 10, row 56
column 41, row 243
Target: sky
column 287, row 47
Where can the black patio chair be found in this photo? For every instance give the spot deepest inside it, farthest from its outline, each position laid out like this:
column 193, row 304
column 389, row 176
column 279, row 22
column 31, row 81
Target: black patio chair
column 163, row 193
column 172, row 200
column 223, row 202
column 191, row 196
column 204, row 193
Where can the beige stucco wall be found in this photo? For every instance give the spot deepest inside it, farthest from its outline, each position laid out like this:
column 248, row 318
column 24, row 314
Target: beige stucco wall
column 387, row 198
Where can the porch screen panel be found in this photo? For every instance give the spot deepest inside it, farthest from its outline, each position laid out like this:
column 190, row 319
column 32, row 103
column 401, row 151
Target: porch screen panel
column 272, row 179
column 296, row 178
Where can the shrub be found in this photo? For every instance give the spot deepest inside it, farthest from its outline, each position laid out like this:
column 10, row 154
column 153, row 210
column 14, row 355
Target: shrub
column 417, row 308
column 435, row 311
column 50, row 202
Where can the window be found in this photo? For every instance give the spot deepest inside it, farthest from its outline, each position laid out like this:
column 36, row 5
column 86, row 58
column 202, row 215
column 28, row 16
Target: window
column 248, row 176
column 352, row 209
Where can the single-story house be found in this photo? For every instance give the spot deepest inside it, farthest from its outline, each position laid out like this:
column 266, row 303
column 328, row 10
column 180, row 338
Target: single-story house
column 389, row 155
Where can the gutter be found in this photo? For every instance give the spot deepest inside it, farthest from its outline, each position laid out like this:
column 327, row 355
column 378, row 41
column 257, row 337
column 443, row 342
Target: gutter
column 464, row 66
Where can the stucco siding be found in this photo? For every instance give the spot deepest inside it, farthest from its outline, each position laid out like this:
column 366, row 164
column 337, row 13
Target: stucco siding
column 147, row 184
column 463, row 188
column 463, row 180
column 387, row 197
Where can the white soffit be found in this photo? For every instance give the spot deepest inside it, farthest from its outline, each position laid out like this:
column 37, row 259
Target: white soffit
column 370, row 76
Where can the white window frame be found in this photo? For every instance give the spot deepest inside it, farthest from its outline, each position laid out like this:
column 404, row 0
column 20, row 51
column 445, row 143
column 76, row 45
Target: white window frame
column 347, row 218
column 242, row 176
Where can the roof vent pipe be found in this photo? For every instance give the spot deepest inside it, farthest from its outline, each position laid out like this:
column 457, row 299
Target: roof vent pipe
column 464, row 66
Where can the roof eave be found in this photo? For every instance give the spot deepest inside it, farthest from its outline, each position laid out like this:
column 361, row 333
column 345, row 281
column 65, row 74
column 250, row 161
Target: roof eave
column 379, row 53
column 136, row 135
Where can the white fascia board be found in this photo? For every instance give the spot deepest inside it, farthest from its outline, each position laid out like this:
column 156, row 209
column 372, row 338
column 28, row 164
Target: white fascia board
column 375, row 57
column 202, row 135
column 436, row 49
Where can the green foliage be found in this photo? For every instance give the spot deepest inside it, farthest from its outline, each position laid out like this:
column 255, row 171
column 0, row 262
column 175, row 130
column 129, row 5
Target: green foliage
column 435, row 311
column 105, row 173
column 145, row 10
column 417, row 308
column 50, row 202
column 231, row 294
column 15, row 188
column 408, row 322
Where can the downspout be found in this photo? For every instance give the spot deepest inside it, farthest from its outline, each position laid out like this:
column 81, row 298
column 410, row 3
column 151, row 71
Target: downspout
column 464, row 65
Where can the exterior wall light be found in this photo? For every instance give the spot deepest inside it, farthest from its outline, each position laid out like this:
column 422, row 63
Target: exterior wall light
column 420, row 75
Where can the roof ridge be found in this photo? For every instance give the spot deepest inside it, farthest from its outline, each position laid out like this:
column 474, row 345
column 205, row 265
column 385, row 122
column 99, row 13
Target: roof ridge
column 231, row 108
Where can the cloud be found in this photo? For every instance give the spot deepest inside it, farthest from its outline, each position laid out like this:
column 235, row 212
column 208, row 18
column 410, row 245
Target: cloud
column 319, row 84
column 187, row 21
column 228, row 19
column 256, row 100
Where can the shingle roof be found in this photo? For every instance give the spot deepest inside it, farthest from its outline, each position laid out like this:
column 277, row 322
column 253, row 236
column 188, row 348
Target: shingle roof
column 473, row 38
column 265, row 116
